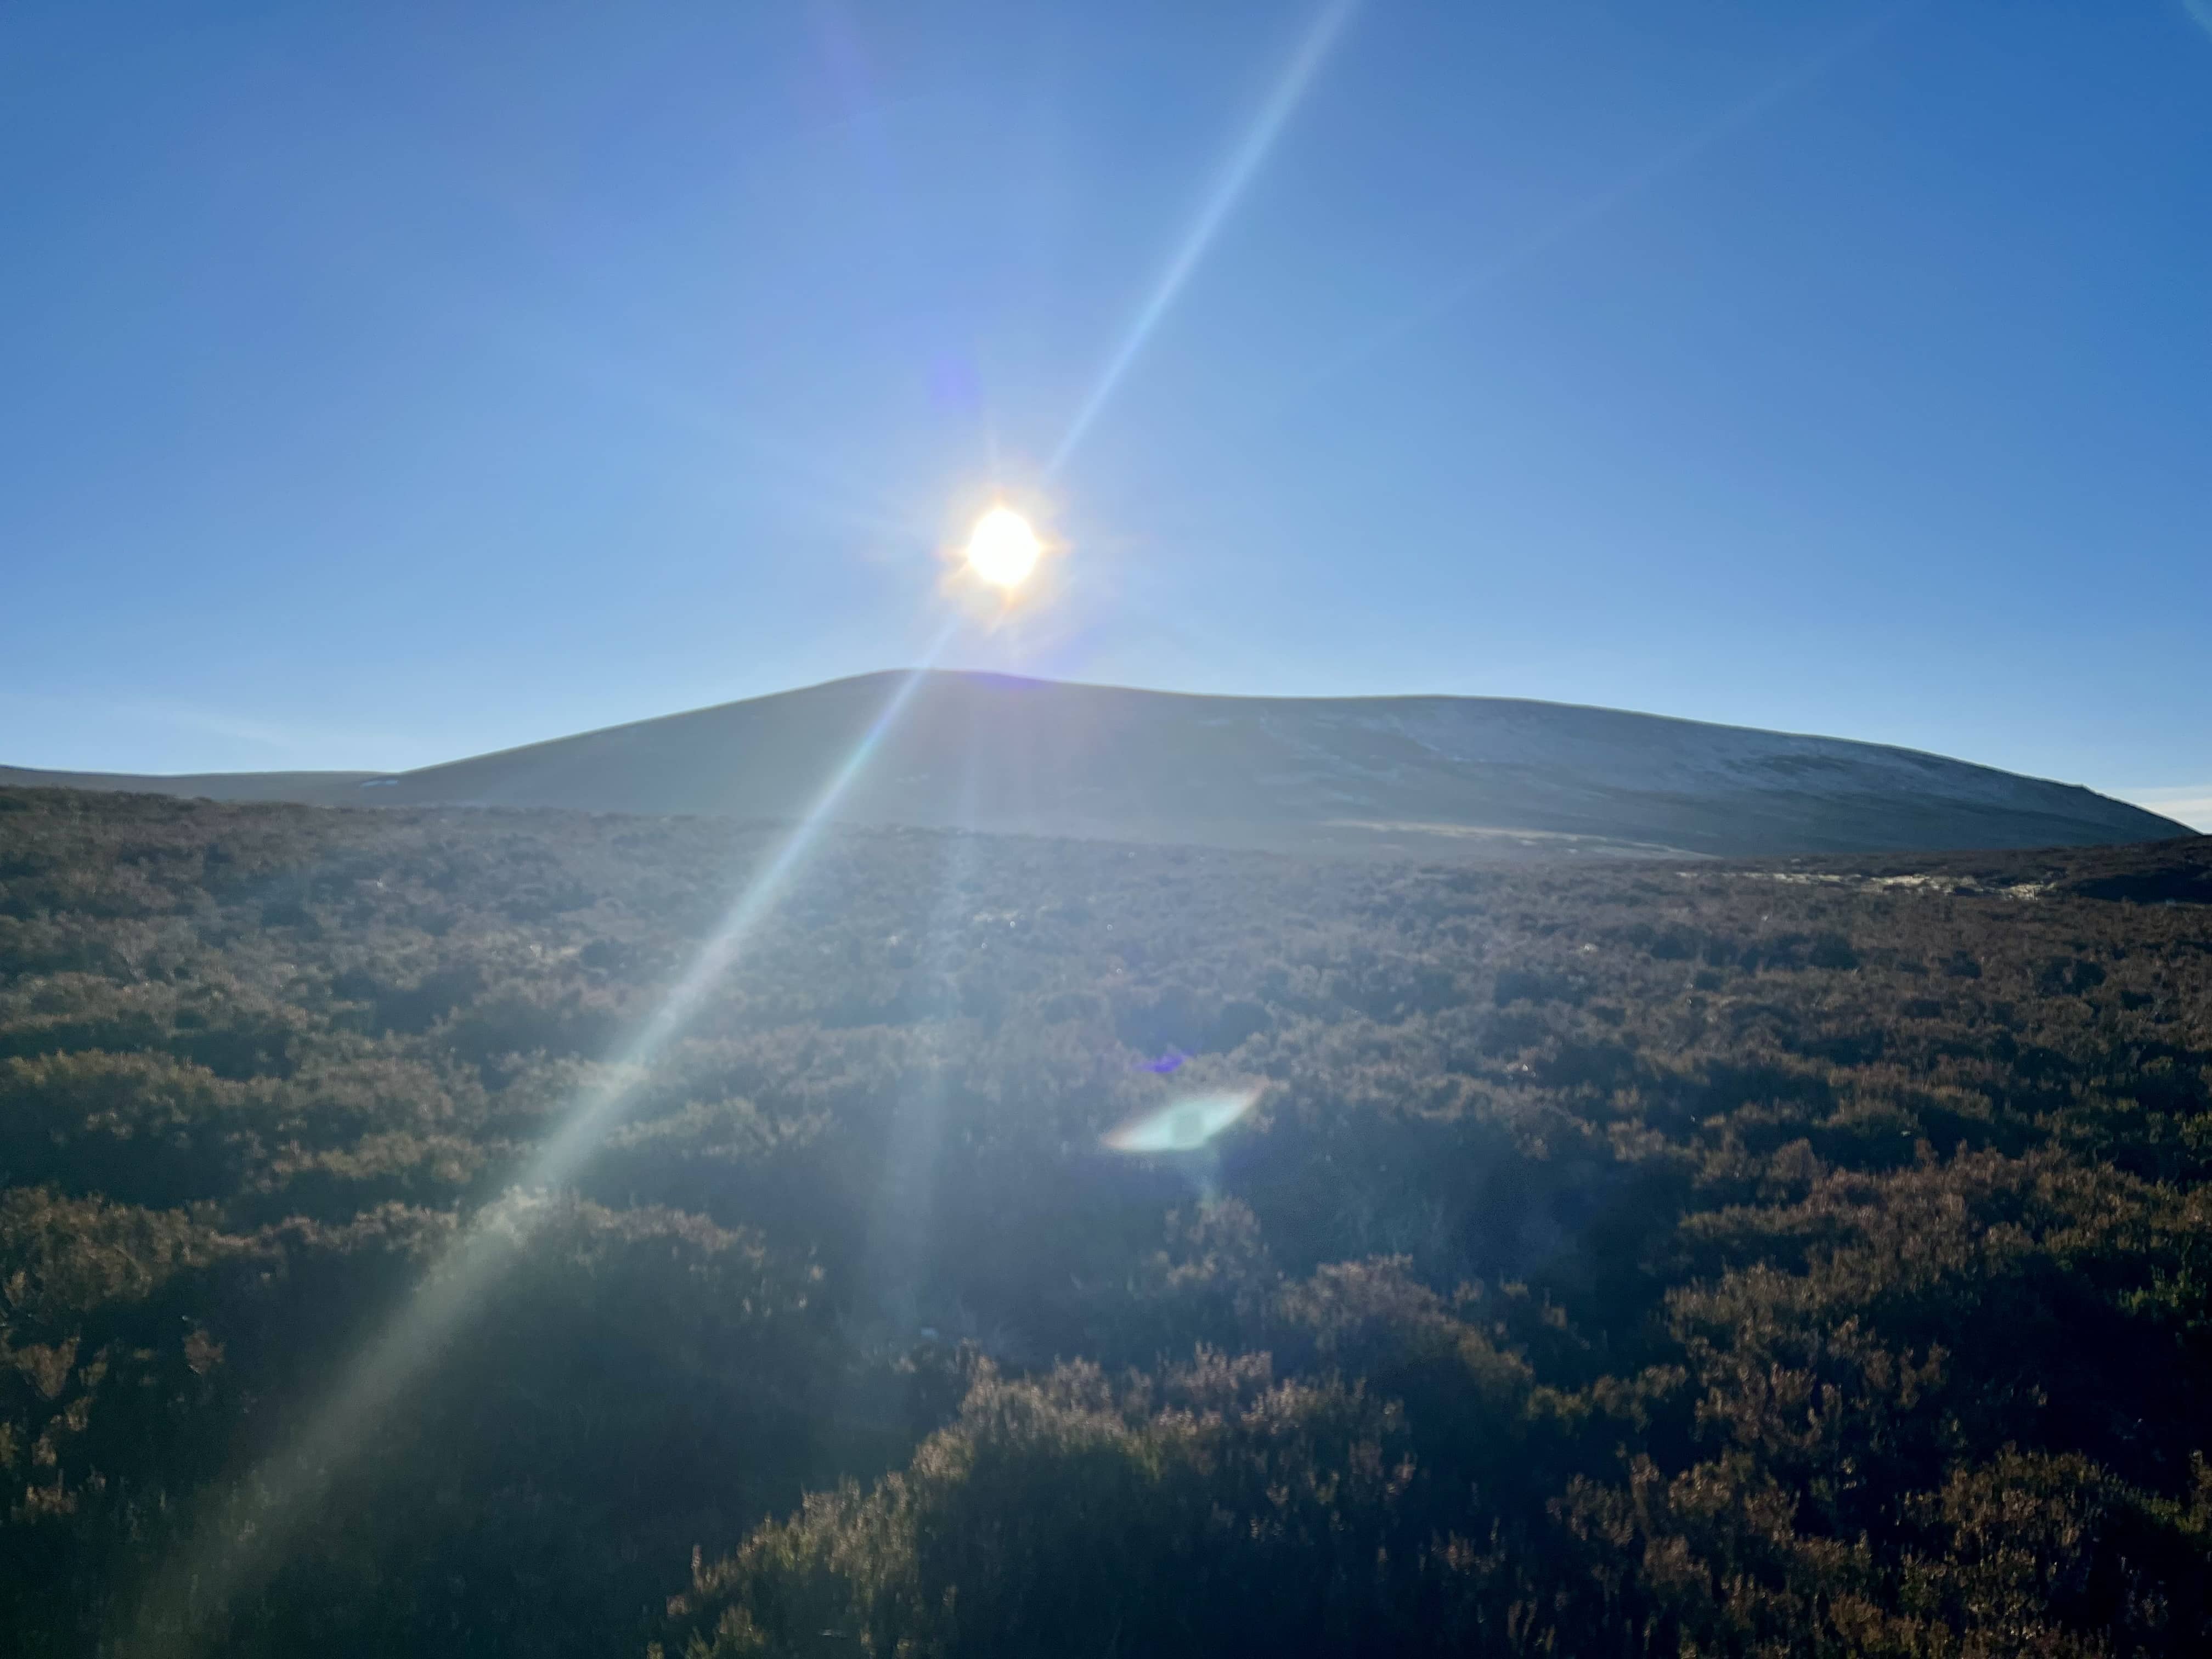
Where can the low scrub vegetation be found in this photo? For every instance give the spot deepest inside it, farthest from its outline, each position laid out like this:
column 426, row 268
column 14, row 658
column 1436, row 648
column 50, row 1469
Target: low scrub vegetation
column 1621, row 1259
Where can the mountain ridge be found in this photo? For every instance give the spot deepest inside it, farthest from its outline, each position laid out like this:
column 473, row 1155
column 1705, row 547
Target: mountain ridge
column 1431, row 774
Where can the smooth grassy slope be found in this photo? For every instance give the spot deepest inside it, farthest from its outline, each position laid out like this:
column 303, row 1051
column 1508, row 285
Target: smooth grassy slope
column 1438, row 776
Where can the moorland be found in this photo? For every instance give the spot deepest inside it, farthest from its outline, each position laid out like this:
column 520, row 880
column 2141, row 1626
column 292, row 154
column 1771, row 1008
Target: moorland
column 1721, row 1258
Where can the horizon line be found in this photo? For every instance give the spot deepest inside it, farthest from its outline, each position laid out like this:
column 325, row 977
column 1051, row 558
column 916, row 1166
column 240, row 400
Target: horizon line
column 2183, row 793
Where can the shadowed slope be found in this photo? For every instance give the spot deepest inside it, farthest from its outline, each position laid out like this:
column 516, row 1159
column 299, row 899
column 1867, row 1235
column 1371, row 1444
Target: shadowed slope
column 1477, row 776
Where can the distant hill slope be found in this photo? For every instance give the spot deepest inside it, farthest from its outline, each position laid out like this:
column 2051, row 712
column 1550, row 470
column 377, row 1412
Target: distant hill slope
column 310, row 786
column 1477, row 776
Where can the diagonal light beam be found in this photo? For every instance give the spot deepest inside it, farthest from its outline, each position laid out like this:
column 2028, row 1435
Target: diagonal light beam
column 229, row 1549
column 1590, row 208
column 1244, row 162
column 898, row 1256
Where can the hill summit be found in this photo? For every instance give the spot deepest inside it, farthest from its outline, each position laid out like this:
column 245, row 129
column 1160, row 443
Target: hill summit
column 1484, row 776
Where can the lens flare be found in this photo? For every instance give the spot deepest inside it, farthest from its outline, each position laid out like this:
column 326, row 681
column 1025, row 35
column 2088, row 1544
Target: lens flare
column 1244, row 162
column 1630, row 184
column 1185, row 1125
column 239, row 1539
column 1003, row 549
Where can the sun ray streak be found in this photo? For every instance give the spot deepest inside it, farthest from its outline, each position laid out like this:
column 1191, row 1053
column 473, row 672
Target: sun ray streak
column 231, row 1545
column 1582, row 214
column 1244, row 163
column 899, row 1256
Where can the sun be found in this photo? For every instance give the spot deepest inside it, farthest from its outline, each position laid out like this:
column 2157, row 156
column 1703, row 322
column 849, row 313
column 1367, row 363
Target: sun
column 1003, row 549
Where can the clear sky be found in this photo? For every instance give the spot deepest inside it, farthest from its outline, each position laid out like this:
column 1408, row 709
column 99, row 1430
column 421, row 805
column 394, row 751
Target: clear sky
column 384, row 384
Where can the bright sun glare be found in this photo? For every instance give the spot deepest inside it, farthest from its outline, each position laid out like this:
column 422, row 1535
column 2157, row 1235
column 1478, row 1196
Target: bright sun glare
column 1002, row 549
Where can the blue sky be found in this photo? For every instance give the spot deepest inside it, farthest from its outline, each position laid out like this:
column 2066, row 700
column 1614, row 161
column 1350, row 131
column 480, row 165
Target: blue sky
column 382, row 385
